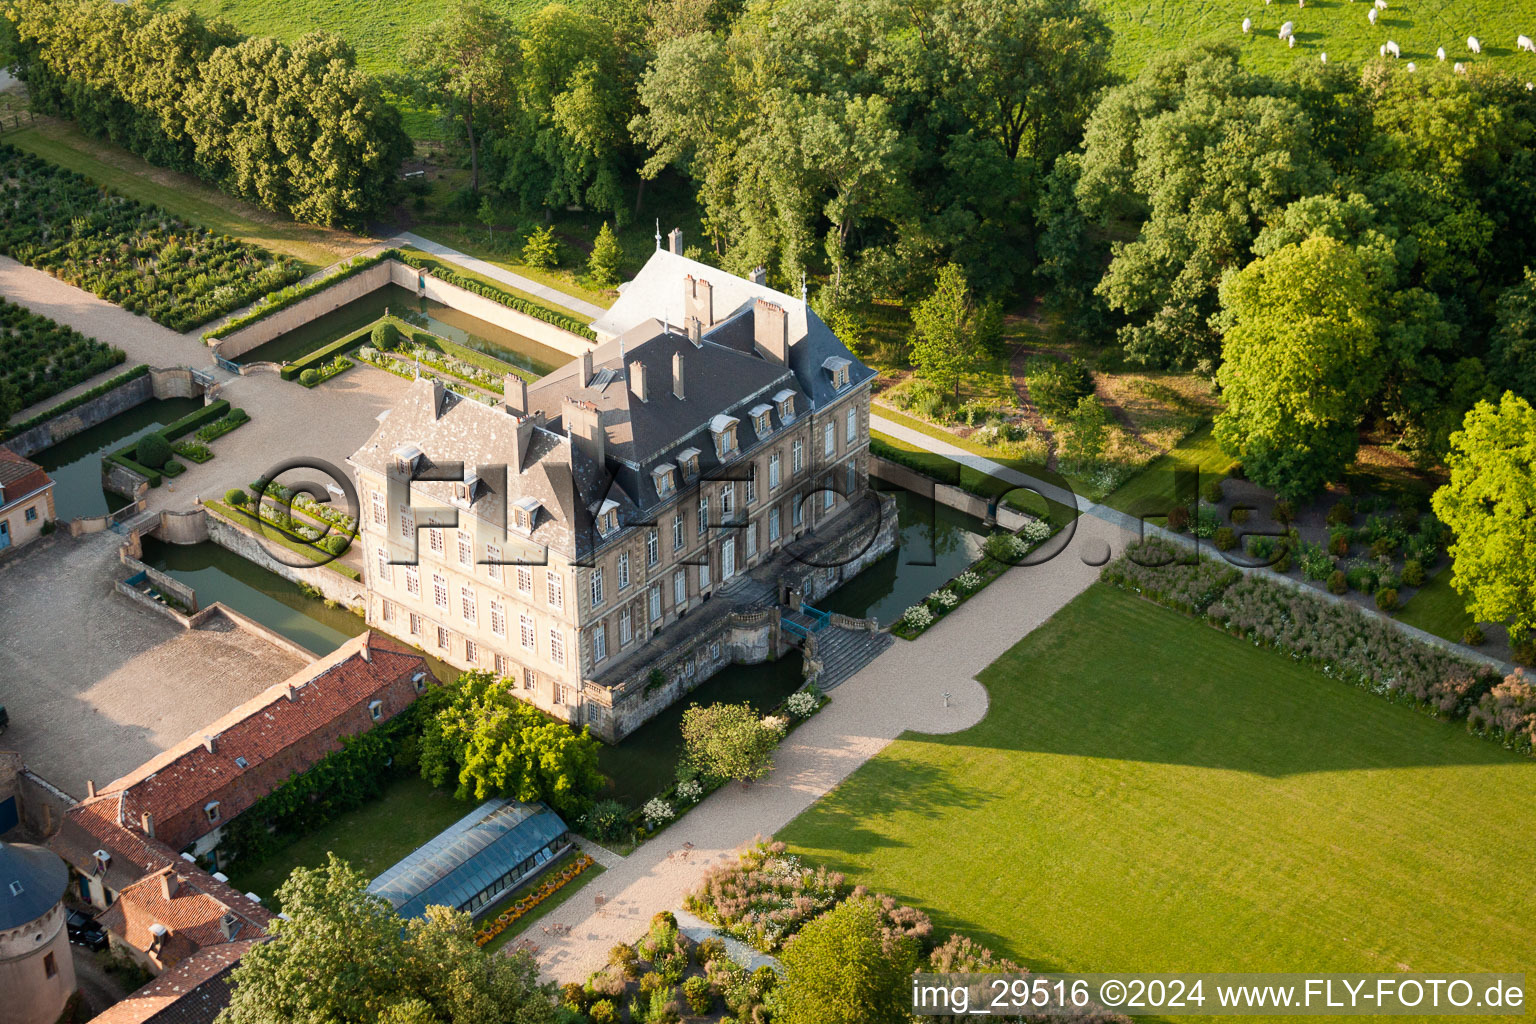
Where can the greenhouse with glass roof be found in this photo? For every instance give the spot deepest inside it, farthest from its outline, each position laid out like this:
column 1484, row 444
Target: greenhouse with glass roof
column 477, row 860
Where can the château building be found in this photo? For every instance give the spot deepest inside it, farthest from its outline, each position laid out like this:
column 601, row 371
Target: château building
column 622, row 528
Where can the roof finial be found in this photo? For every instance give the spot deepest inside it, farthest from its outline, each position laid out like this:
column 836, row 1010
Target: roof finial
column 666, row 326
column 802, row 286
column 658, row 234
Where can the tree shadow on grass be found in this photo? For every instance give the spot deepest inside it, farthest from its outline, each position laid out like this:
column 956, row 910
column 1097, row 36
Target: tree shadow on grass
column 1114, row 676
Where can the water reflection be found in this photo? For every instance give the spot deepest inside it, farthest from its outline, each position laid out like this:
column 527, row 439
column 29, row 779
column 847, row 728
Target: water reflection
column 221, row 575
column 937, row 542
column 456, row 326
column 75, row 464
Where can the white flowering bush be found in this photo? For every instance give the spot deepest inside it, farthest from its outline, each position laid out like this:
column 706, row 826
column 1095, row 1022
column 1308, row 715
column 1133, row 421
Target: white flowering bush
column 776, row 724
column 690, row 791
column 917, row 617
column 968, row 581
column 802, row 704
column 657, row 812
column 945, row 599
column 1036, row 531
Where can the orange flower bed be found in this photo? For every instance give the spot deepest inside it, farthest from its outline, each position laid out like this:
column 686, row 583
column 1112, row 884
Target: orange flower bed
column 551, row 886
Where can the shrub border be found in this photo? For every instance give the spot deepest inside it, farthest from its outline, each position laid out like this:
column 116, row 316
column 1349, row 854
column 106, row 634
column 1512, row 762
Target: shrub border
column 73, row 403
column 285, row 297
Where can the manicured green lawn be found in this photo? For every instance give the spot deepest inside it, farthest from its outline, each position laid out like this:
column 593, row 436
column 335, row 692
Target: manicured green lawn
column 1151, row 491
column 185, row 196
column 371, row 838
column 1438, row 609
column 1147, row 793
column 1144, row 28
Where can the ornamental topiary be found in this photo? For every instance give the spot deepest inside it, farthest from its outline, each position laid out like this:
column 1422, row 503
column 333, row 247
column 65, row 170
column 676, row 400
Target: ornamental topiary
column 1212, row 492
column 310, row 377
column 1338, row 583
column 1386, row 599
column 152, row 451
column 236, row 496
column 385, row 336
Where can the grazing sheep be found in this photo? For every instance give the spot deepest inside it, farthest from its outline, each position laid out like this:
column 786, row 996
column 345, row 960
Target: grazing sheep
column 1460, row 68
column 1394, row 49
column 1474, row 45
column 1301, row 3
column 1286, row 30
column 1372, row 14
column 1381, row 5
column 1323, row 57
column 1291, row 41
column 1524, row 43
column 1247, row 25
column 1412, row 66
column 1440, row 53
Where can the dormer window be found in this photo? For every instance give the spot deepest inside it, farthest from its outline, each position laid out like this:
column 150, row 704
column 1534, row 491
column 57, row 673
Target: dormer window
column 837, row 367
column 688, row 459
column 665, row 478
column 406, row 458
column 724, row 429
column 211, row 812
column 762, row 419
column 785, row 400
column 464, row 494
column 525, row 514
column 607, row 517
column 419, row 682
column 376, row 710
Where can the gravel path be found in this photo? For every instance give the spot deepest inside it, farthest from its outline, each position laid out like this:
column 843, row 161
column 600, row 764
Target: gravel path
column 901, row 690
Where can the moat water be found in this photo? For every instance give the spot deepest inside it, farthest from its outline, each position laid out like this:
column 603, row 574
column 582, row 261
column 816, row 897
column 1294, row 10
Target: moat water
column 444, row 321
column 75, row 464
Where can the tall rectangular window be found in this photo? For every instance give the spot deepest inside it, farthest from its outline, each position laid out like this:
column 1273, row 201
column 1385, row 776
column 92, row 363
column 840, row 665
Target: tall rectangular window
column 466, row 549
column 677, row 531
column 655, row 602
column 751, row 533
column 599, row 642
column 727, row 502
column 380, row 510
column 853, row 478
column 679, row 588
column 500, row 661
column 467, row 603
column 704, row 574
column 525, row 631
column 493, row 561
column 554, row 589
column 412, row 581
column 471, row 652
column 557, row 647
column 498, row 619
column 623, row 570
column 415, row 624
column 797, row 511
column 626, row 628
column 853, row 424
column 799, row 458
column 530, row 679
column 773, row 524
column 652, row 549
column 703, row 515
column 439, row 591
column 442, row 638
column 773, row 471
column 435, row 540
column 597, row 587
column 524, row 580
column 828, row 441
column 407, row 523
column 752, row 487
column 383, row 564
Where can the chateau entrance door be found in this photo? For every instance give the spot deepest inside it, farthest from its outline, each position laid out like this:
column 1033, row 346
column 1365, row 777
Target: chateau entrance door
column 727, row 558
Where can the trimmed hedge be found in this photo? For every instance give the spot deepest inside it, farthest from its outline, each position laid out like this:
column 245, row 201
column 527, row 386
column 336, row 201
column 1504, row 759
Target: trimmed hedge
column 280, row 300
column 74, row 403
column 152, row 475
column 191, row 421
column 324, row 354
column 473, row 284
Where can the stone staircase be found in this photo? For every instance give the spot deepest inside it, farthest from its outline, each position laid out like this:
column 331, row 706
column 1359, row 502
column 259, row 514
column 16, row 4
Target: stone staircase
column 843, row 652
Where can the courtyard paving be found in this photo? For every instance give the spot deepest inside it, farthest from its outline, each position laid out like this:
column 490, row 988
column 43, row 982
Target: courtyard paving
column 94, row 683
column 902, row 690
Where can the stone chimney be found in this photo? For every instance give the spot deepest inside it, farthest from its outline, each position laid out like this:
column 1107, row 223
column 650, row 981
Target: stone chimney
column 516, row 392
column 366, row 651
column 637, row 380
column 229, row 924
column 695, row 332
column 699, row 300
column 90, row 789
column 168, row 883
column 586, row 368
column 675, row 241
column 770, row 331
column 148, row 822
column 677, row 374
column 759, row 275
column 293, row 692
column 211, row 743
column 585, row 423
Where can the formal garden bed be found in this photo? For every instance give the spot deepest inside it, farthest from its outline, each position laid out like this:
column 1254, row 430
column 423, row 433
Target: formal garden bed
column 135, row 255
column 1004, row 550
column 40, row 358
column 150, row 455
column 273, row 525
column 1341, row 640
column 521, row 905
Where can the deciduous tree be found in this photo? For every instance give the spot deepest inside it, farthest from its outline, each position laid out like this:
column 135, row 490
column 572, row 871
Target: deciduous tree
column 841, row 969
column 728, row 741
column 951, row 332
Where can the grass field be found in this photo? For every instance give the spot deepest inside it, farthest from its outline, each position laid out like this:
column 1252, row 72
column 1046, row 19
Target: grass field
column 1438, row 609
column 183, row 195
column 1150, row 491
column 1147, row 793
column 1339, row 28
column 371, row 838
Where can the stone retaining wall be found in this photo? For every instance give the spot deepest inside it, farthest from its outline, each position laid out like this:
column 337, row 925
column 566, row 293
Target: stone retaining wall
column 237, row 343
column 245, row 543
column 172, row 382
column 919, row 483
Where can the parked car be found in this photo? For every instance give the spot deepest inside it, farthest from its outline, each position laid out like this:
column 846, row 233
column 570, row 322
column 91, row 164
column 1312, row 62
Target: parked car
column 84, row 930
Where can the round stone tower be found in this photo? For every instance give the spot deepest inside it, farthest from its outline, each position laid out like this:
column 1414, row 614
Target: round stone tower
column 37, row 973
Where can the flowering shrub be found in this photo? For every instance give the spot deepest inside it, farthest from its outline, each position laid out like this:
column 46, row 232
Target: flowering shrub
column 765, row 896
column 657, row 812
column 1035, row 531
column 1316, row 562
column 1508, row 711
column 1158, row 570
column 1006, row 547
column 776, row 724
column 945, row 599
column 917, row 617
column 802, row 704
column 967, row 581
column 690, row 791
